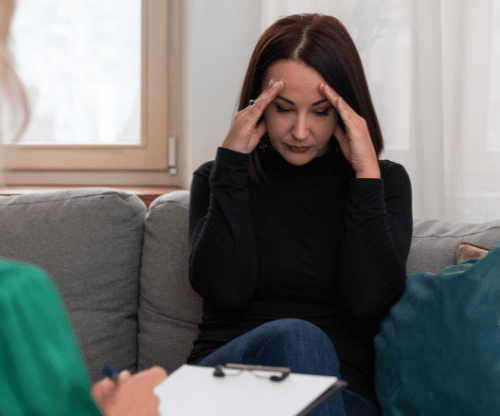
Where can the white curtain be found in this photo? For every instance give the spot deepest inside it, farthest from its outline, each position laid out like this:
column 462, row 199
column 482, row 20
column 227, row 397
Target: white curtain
column 433, row 69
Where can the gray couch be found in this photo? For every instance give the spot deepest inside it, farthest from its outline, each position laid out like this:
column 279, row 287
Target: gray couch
column 122, row 269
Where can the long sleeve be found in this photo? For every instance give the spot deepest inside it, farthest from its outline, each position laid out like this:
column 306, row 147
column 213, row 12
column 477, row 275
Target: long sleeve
column 376, row 242
column 261, row 253
column 222, row 264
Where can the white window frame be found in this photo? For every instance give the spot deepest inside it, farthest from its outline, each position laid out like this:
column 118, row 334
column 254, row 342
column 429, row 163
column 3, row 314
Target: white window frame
column 151, row 154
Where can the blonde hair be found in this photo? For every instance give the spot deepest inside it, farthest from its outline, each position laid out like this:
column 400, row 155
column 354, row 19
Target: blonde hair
column 12, row 91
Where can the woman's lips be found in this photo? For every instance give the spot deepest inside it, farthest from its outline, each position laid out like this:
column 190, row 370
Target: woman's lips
column 298, row 149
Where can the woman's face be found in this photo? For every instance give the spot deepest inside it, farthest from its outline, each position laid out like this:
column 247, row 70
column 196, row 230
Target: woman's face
column 300, row 121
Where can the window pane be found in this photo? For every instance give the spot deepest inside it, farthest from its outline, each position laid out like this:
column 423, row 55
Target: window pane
column 80, row 61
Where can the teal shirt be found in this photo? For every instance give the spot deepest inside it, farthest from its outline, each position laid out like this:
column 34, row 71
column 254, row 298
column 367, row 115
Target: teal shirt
column 42, row 370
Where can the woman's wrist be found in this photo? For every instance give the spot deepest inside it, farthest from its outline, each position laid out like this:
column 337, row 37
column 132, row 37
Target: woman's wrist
column 372, row 172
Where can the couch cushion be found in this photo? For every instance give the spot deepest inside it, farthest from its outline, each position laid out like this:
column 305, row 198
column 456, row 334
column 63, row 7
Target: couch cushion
column 89, row 241
column 438, row 351
column 466, row 251
column 434, row 242
column 169, row 308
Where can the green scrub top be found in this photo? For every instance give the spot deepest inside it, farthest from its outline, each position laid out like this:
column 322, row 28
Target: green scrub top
column 42, row 370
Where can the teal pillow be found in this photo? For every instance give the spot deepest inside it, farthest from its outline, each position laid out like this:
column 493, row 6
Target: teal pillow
column 438, row 351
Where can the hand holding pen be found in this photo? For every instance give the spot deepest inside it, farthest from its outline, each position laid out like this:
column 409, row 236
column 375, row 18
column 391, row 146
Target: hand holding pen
column 127, row 394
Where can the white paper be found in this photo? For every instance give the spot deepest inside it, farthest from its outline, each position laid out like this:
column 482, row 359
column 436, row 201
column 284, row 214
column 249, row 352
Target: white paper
column 193, row 390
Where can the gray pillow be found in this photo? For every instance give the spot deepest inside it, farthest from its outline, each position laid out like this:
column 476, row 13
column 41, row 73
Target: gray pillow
column 169, row 308
column 89, row 241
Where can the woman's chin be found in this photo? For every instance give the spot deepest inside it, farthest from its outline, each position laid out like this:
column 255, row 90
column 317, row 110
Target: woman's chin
column 298, row 159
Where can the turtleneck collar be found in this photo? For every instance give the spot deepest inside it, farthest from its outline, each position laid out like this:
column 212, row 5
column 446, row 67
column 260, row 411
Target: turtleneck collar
column 273, row 159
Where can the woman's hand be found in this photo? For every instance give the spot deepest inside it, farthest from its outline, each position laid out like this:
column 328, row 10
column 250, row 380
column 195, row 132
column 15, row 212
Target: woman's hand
column 355, row 142
column 132, row 395
column 244, row 134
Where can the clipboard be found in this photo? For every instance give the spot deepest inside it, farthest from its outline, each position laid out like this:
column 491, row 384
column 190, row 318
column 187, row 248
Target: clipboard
column 243, row 390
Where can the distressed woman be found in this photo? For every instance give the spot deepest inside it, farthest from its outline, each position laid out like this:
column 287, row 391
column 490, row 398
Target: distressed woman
column 299, row 233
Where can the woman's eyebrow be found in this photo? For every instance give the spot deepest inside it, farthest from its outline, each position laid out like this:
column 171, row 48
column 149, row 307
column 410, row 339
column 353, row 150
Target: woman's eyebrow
column 291, row 102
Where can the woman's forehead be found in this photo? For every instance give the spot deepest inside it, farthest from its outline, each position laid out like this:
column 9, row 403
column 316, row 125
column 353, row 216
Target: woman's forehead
column 301, row 80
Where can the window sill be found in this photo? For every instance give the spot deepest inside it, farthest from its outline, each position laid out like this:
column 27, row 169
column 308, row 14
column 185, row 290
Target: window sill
column 146, row 193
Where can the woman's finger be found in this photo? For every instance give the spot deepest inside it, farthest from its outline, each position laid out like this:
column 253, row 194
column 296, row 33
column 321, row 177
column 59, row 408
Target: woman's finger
column 103, row 392
column 329, row 93
column 354, row 124
column 257, row 134
column 124, row 376
column 354, row 140
column 154, row 375
column 340, row 134
column 345, row 111
column 264, row 99
column 246, row 128
column 133, row 395
column 337, row 103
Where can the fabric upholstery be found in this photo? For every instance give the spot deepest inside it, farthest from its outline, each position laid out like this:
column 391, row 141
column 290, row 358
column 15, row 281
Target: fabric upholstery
column 170, row 309
column 434, row 242
column 89, row 241
column 100, row 244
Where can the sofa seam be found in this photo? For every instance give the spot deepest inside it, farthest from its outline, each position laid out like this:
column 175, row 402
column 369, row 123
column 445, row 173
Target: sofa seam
column 456, row 236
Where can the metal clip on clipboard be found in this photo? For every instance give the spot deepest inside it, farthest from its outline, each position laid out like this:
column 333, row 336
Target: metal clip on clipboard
column 220, row 393
column 254, row 369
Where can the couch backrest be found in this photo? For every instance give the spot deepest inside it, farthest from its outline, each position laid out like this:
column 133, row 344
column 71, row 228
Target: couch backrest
column 89, row 241
column 434, row 242
column 170, row 310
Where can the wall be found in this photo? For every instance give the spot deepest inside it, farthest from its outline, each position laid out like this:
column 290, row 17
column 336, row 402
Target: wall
column 218, row 37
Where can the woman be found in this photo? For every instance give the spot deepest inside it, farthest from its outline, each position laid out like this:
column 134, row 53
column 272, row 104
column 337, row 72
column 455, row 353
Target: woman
column 42, row 370
column 299, row 235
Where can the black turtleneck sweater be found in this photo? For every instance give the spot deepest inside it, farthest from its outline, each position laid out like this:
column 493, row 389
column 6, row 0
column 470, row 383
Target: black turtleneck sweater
column 308, row 245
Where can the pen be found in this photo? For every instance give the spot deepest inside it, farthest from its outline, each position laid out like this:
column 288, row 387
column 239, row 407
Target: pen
column 109, row 371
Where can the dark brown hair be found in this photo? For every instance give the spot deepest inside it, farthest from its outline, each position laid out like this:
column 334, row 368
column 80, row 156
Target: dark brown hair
column 323, row 43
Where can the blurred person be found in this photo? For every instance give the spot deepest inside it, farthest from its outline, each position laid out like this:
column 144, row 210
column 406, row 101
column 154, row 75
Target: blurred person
column 42, row 369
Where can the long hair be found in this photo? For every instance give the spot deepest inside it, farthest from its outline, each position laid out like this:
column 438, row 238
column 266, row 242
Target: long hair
column 10, row 85
column 323, row 43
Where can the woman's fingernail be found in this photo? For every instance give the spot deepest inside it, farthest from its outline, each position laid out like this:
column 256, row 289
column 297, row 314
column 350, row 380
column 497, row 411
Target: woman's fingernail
column 124, row 373
column 271, row 82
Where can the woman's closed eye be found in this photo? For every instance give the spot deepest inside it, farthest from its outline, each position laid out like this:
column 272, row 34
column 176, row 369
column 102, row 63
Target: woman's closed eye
column 323, row 112
column 281, row 109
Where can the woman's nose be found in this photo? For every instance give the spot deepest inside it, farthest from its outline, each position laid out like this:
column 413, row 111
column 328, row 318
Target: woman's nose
column 300, row 129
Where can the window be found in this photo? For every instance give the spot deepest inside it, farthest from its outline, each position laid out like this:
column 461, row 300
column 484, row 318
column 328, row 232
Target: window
column 96, row 75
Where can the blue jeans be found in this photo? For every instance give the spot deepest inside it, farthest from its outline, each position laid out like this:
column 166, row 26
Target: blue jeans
column 300, row 346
